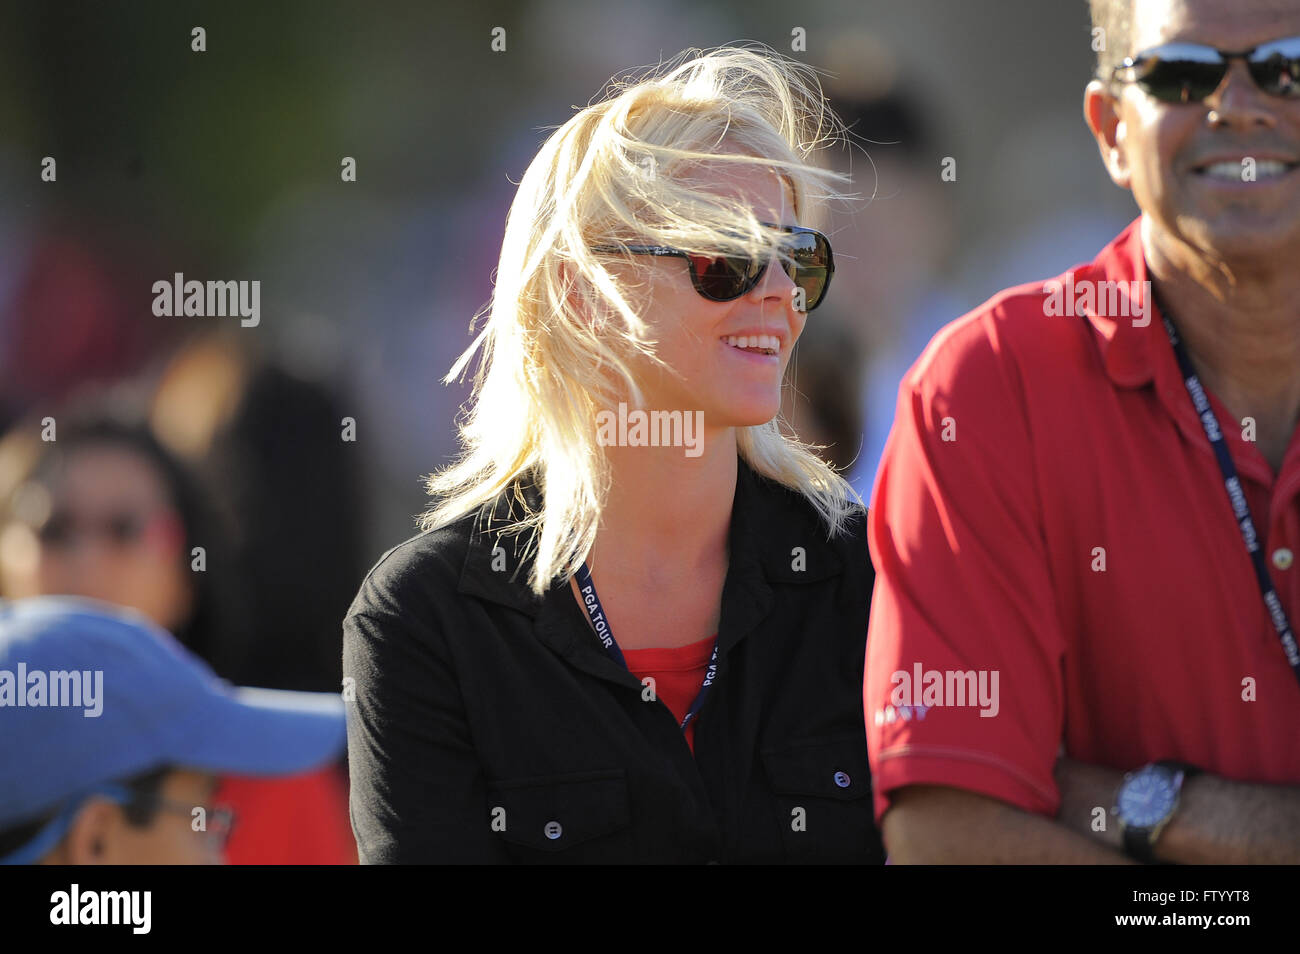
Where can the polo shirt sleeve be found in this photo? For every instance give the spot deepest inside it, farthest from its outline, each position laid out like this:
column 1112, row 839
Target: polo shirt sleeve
column 963, row 590
column 418, row 794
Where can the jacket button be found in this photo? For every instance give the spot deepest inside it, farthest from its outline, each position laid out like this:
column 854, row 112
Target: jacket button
column 842, row 779
column 553, row 830
column 1283, row 558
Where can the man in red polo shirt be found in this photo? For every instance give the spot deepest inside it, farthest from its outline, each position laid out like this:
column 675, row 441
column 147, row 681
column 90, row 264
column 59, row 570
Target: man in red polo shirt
column 1086, row 553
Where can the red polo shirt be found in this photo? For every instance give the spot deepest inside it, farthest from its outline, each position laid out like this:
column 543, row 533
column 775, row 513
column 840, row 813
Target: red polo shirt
column 1048, row 508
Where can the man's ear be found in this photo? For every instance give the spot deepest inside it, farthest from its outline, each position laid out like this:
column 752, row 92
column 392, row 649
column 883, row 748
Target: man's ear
column 89, row 838
column 1101, row 113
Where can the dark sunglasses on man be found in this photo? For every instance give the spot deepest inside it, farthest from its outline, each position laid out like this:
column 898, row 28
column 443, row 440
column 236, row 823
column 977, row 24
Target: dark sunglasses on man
column 1189, row 72
column 728, row 277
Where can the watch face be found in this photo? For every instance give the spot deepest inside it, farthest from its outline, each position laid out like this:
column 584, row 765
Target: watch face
column 1147, row 797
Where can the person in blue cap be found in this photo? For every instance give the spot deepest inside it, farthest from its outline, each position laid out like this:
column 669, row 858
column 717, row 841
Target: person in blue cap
column 112, row 736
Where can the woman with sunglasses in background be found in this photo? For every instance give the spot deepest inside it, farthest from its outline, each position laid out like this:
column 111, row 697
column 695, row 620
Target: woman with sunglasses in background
column 634, row 627
column 105, row 511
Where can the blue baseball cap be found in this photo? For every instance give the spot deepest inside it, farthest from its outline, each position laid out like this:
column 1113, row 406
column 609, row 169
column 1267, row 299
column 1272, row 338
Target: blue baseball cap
column 91, row 693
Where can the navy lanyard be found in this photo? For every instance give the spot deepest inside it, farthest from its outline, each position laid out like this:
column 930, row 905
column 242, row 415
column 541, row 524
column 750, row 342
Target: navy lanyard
column 1240, row 509
column 596, row 616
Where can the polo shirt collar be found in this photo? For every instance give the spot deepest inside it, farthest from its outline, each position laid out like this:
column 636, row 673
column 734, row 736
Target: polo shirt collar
column 1136, row 356
column 1127, row 350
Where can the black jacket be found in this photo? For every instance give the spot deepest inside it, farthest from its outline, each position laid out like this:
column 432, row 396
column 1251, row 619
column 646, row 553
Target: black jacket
column 491, row 726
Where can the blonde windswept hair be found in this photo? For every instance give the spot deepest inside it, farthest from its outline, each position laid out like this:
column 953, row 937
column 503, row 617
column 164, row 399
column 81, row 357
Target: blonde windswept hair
column 560, row 331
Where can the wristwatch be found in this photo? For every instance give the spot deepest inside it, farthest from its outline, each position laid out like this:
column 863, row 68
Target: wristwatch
column 1146, row 801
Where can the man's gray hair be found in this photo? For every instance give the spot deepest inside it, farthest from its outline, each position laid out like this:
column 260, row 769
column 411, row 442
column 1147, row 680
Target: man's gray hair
column 1115, row 18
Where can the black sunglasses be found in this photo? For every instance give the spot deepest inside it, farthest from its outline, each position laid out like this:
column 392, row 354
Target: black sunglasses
column 1189, row 72
column 727, row 277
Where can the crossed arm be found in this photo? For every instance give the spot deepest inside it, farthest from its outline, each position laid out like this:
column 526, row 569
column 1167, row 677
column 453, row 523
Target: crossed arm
column 1218, row 821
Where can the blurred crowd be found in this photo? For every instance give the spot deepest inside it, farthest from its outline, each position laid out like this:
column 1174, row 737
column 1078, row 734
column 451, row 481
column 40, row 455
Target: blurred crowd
column 211, row 494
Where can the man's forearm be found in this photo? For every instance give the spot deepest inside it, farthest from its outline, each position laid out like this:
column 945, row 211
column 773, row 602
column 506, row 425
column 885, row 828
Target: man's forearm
column 1233, row 823
column 1218, row 821
column 939, row 825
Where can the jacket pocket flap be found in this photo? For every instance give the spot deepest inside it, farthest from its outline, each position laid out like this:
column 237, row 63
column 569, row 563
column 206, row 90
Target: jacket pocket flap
column 830, row 768
column 555, row 812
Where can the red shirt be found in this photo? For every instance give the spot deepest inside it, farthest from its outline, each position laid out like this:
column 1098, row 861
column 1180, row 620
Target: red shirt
column 678, row 674
column 289, row 820
column 1049, row 508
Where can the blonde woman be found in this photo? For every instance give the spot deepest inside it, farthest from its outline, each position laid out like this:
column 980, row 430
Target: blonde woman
column 634, row 627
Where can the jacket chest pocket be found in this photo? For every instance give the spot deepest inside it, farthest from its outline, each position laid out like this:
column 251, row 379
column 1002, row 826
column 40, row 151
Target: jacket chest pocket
column 580, row 817
column 822, row 790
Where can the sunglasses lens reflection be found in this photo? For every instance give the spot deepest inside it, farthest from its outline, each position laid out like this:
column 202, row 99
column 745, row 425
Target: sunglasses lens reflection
column 725, row 277
column 1277, row 70
column 1182, row 81
column 810, row 268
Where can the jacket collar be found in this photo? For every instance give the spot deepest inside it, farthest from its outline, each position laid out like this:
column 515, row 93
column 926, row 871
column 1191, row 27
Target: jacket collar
column 498, row 559
column 774, row 538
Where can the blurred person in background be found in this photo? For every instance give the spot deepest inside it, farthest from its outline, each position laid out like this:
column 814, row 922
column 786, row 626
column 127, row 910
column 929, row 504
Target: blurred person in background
column 819, row 405
column 896, row 250
column 273, row 446
column 70, row 318
column 704, row 707
column 114, row 736
column 892, row 253
column 104, row 511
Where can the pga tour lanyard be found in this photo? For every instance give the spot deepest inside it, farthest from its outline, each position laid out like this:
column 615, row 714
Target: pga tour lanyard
column 596, row 616
column 1240, row 509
